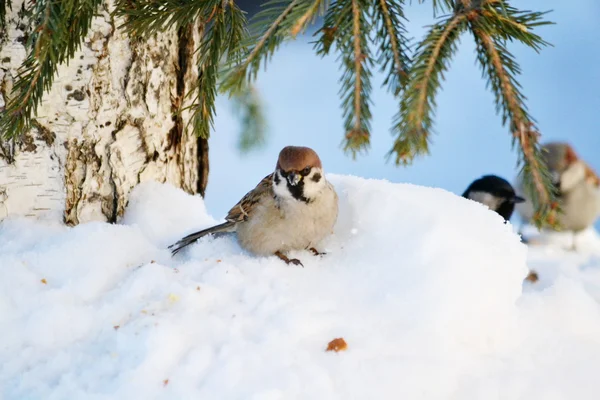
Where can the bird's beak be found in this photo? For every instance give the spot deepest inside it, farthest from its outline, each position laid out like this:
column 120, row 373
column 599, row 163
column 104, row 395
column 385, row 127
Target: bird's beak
column 294, row 178
column 517, row 199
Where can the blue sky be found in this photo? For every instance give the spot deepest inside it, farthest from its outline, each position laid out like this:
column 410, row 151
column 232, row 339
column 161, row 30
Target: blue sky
column 300, row 95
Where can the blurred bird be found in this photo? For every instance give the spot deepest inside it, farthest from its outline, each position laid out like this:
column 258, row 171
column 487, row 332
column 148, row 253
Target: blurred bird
column 494, row 192
column 577, row 185
column 293, row 208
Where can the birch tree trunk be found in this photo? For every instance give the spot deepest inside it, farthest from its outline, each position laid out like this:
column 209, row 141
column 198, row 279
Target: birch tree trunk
column 109, row 123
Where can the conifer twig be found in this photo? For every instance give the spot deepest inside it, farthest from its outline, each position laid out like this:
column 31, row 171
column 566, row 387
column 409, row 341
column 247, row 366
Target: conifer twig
column 318, row 7
column 59, row 27
column 500, row 67
column 146, row 17
column 391, row 39
column 414, row 122
column 262, row 47
column 358, row 65
column 352, row 40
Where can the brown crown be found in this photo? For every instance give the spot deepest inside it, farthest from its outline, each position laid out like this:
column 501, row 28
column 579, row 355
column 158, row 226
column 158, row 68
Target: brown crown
column 561, row 155
column 570, row 155
column 294, row 158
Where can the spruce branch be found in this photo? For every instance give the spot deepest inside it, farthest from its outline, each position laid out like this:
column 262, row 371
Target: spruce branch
column 441, row 6
column 328, row 32
column 58, row 29
column 223, row 32
column 146, row 17
column 511, row 24
column 269, row 28
column 414, row 122
column 318, row 7
column 59, row 26
column 502, row 69
column 393, row 44
column 352, row 42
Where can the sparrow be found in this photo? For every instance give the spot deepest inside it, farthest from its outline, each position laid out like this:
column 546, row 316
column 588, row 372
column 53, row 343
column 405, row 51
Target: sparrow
column 293, row 208
column 577, row 188
column 494, row 192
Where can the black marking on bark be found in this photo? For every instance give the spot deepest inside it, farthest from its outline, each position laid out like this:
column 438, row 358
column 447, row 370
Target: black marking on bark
column 112, row 218
column 203, row 166
column 185, row 50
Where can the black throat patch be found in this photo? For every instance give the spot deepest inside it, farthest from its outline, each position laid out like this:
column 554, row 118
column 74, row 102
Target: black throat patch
column 505, row 210
column 297, row 191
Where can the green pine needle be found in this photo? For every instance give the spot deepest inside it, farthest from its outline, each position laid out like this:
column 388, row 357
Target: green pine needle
column 441, row 6
column 501, row 69
column 279, row 21
column 223, row 35
column 353, row 43
column 414, row 123
column 146, row 17
column 393, row 44
column 231, row 52
column 58, row 29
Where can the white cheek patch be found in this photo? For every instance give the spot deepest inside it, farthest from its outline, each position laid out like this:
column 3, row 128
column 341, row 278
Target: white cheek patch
column 313, row 183
column 487, row 199
column 572, row 176
column 280, row 188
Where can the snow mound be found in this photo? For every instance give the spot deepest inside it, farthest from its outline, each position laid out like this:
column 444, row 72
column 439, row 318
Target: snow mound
column 423, row 285
column 586, row 241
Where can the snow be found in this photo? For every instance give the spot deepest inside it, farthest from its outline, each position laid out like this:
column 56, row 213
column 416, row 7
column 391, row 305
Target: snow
column 427, row 289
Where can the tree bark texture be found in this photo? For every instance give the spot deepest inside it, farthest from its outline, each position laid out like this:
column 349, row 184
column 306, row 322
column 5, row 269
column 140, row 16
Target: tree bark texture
column 110, row 121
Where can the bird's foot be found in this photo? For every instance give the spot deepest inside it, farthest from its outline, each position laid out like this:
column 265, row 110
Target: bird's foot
column 316, row 252
column 287, row 260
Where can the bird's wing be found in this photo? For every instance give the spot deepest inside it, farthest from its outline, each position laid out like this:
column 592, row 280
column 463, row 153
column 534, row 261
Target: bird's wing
column 244, row 208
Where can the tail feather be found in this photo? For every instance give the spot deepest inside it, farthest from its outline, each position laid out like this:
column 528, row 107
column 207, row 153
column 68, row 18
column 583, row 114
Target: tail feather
column 191, row 238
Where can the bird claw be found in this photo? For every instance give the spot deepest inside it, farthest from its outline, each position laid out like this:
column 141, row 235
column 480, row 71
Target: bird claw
column 295, row 261
column 288, row 261
column 316, row 252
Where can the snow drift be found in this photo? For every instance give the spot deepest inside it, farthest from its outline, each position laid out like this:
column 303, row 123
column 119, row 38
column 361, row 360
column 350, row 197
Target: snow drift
column 423, row 285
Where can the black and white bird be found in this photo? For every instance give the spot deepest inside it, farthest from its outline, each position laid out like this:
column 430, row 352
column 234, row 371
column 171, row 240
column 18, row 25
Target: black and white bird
column 292, row 208
column 496, row 193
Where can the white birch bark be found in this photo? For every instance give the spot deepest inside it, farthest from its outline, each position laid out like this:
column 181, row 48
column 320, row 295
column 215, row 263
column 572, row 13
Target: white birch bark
column 107, row 124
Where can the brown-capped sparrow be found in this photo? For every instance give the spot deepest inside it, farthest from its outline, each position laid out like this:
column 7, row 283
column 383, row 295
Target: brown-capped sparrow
column 293, row 208
column 578, row 188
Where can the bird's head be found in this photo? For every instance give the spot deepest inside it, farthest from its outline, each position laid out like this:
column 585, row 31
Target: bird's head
column 565, row 167
column 298, row 174
column 494, row 192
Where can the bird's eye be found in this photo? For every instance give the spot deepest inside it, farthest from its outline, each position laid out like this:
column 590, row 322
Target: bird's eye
column 305, row 171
